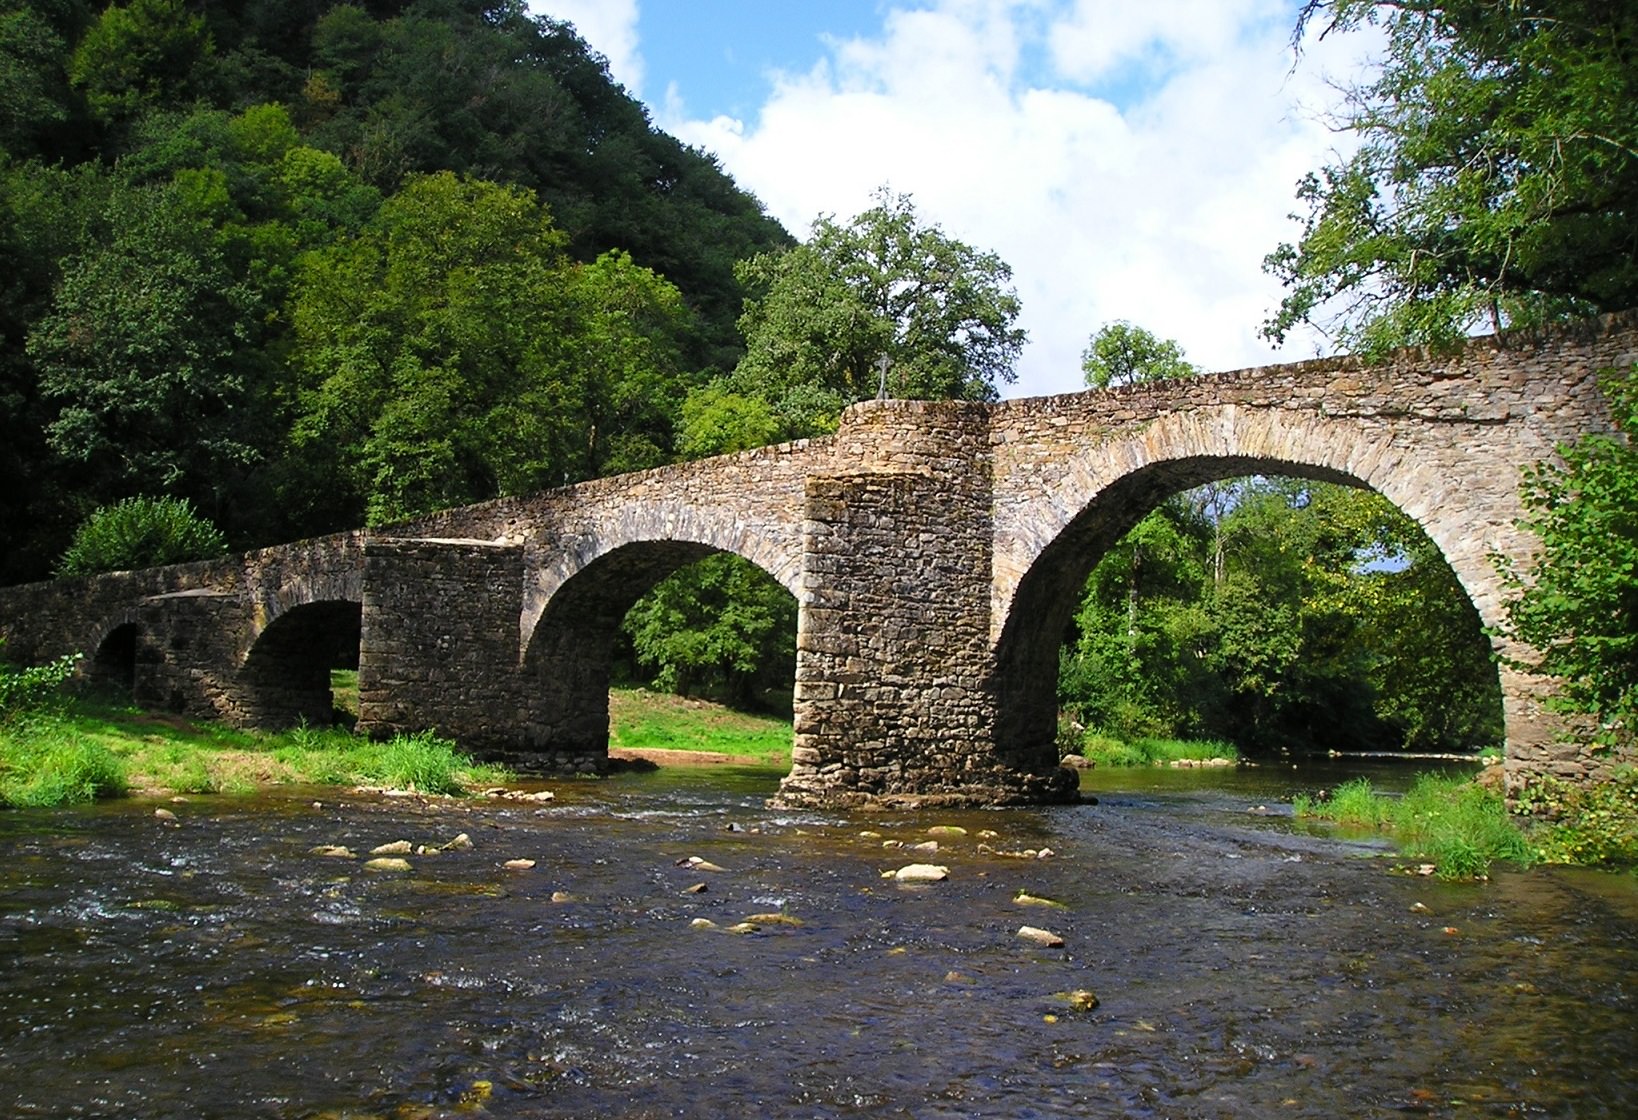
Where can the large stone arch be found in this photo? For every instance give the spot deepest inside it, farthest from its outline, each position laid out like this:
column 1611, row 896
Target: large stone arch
column 575, row 607
column 1463, row 496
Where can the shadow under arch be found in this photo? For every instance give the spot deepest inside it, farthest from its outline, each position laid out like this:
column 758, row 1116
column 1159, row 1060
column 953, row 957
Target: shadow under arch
column 568, row 655
column 1047, row 595
column 285, row 678
column 112, row 669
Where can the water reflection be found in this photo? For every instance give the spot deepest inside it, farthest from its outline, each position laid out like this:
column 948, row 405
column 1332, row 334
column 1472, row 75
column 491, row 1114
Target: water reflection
column 1246, row 967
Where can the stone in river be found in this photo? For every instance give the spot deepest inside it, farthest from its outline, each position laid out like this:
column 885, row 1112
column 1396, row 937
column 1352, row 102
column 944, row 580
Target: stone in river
column 1042, row 937
column 921, row 873
column 386, row 863
column 396, row 848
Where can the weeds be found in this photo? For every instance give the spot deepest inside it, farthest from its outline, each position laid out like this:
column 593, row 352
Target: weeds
column 1106, row 750
column 1459, row 827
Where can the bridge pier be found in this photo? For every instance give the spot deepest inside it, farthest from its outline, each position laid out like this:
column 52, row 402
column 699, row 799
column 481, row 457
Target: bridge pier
column 894, row 699
column 439, row 641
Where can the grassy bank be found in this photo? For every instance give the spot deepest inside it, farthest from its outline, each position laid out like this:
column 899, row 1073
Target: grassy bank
column 644, row 720
column 1106, row 750
column 1462, row 828
column 82, row 751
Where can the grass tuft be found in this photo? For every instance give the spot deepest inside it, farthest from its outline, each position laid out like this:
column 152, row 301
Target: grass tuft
column 1459, row 827
column 1107, row 750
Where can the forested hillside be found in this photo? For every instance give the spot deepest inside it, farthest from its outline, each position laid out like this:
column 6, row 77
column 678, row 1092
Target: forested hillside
column 309, row 263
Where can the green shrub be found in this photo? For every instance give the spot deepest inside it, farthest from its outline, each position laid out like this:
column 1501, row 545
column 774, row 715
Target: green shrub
column 1594, row 824
column 30, row 691
column 1107, row 750
column 140, row 533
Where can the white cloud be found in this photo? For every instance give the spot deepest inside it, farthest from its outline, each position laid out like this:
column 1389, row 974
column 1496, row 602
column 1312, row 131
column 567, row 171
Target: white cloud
column 609, row 27
column 1158, row 212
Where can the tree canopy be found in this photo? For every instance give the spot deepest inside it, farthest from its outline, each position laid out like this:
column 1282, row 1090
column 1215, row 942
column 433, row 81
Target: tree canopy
column 821, row 315
column 1495, row 181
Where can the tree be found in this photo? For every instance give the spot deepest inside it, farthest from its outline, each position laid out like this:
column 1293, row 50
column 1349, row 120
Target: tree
column 139, row 55
column 1496, row 179
column 1577, row 602
column 824, row 313
column 1121, row 354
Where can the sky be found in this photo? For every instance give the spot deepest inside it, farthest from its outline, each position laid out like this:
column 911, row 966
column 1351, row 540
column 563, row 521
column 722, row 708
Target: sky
column 1129, row 159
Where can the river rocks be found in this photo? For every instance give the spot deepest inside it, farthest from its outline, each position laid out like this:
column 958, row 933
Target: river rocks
column 919, row 873
column 702, row 923
column 332, row 851
column 165, row 816
column 386, row 863
column 697, row 888
column 1025, row 853
column 562, row 896
column 461, row 843
column 698, row 864
column 774, row 920
column 1077, row 762
column 519, row 864
column 946, row 830
column 1078, row 1000
column 1200, row 763
column 1042, row 937
column 925, row 846
column 395, row 848
column 1024, row 898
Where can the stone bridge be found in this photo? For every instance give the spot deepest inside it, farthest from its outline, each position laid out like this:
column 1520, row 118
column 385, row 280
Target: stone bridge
column 936, row 551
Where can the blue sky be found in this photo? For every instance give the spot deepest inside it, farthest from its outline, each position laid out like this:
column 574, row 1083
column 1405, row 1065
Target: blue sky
column 1130, row 160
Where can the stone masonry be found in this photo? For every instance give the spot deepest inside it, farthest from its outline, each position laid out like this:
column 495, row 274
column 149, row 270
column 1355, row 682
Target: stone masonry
column 936, row 551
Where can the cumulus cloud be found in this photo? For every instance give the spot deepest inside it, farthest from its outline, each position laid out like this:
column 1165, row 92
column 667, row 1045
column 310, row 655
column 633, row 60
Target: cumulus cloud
column 995, row 116
column 610, row 27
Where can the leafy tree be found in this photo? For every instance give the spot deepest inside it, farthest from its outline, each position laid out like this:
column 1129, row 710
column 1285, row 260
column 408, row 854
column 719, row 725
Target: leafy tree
column 143, row 354
column 140, row 533
column 1577, row 602
column 1496, row 178
column 1121, row 354
column 721, row 626
column 138, row 56
column 824, row 313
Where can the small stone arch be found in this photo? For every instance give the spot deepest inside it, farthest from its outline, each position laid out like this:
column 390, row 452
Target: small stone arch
column 1468, row 513
column 285, row 677
column 112, row 666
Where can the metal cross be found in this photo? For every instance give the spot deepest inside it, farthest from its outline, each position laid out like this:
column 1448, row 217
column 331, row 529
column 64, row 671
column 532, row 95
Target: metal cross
column 882, row 363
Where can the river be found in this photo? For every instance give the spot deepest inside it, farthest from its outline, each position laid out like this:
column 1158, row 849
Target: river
column 1243, row 965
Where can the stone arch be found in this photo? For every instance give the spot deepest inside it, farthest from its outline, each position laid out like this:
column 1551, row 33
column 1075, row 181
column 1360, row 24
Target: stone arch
column 1461, row 501
column 113, row 663
column 568, row 652
column 692, row 533
column 285, row 677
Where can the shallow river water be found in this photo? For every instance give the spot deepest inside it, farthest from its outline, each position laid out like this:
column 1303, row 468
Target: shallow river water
column 1243, row 966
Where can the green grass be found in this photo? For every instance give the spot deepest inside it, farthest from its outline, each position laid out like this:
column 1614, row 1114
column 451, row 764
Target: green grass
column 1459, row 827
column 89, row 750
column 639, row 719
column 1106, row 750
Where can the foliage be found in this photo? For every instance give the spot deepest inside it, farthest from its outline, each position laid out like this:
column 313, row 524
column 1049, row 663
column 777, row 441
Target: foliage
column 1108, row 751
column 1587, row 823
column 46, row 765
column 140, row 533
column 1496, row 177
column 1280, row 615
column 32, row 690
column 1457, row 825
column 421, row 762
column 1577, row 602
column 721, row 627
column 1122, row 354
column 822, row 315
column 174, row 180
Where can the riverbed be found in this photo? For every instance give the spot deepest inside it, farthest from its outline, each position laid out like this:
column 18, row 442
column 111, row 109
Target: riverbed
column 1241, row 963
